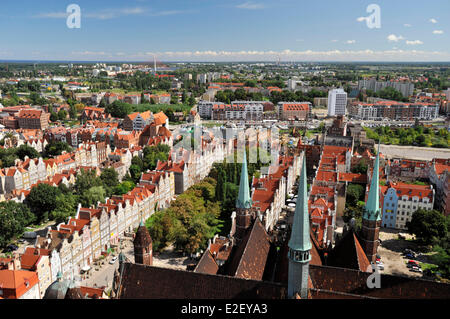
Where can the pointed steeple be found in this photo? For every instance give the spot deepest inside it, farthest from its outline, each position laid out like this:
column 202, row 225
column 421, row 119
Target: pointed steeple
column 372, row 209
column 244, row 200
column 300, row 240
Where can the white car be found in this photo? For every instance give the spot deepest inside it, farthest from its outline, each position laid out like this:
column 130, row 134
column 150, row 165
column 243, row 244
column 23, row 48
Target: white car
column 380, row 265
column 113, row 260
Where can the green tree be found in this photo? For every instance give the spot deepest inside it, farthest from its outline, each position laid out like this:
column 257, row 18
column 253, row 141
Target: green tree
column 429, row 226
column 62, row 115
column 13, row 219
column 135, row 173
column 41, row 200
column 53, row 117
column 109, row 177
column 25, row 150
column 85, row 180
column 355, row 193
column 66, row 206
column 124, row 187
column 55, row 148
column 92, row 196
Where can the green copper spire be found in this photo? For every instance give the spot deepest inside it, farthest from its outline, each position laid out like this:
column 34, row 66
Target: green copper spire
column 372, row 209
column 300, row 240
column 244, row 201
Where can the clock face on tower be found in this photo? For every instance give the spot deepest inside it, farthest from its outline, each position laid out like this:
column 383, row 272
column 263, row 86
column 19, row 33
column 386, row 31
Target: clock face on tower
column 300, row 256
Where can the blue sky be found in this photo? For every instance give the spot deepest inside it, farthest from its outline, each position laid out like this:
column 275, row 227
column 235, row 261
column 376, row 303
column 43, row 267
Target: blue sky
column 232, row 30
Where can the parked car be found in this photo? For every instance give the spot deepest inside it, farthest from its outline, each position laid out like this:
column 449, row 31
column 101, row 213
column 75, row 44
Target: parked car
column 11, row 248
column 415, row 269
column 410, row 256
column 380, row 265
column 113, row 260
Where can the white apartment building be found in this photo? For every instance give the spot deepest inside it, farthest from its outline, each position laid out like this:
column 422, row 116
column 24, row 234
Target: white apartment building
column 205, row 109
column 337, row 102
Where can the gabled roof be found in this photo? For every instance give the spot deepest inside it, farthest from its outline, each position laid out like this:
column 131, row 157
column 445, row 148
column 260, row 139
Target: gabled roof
column 149, row 282
column 253, row 260
column 207, row 264
column 348, row 253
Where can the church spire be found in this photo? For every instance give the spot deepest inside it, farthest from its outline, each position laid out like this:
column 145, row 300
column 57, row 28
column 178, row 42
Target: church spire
column 244, row 200
column 300, row 242
column 300, row 239
column 372, row 209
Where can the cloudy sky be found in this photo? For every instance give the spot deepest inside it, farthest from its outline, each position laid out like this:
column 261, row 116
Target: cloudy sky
column 232, row 30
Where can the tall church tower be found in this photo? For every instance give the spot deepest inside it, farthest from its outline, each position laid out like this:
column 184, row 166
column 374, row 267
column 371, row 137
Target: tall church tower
column 371, row 220
column 243, row 204
column 143, row 246
column 300, row 242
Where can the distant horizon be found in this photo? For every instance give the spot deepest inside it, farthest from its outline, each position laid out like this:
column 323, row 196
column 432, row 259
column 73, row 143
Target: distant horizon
column 190, row 61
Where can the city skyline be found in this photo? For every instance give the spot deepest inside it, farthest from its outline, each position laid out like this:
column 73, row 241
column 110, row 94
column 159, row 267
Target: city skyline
column 205, row 31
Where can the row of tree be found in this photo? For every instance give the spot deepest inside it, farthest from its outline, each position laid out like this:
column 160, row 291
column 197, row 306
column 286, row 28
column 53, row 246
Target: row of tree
column 8, row 156
column 189, row 222
column 418, row 136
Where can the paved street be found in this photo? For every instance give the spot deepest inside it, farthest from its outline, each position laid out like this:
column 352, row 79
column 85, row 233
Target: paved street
column 105, row 273
column 391, row 250
column 414, row 152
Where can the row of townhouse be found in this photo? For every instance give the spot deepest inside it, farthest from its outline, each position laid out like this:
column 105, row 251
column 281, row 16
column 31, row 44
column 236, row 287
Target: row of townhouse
column 30, row 171
column 437, row 171
column 22, row 175
column 323, row 196
column 439, row 175
column 399, row 201
column 190, row 167
column 36, row 143
column 162, row 184
column 268, row 197
column 75, row 245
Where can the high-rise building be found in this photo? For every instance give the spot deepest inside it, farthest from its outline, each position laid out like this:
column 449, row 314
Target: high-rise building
column 337, row 102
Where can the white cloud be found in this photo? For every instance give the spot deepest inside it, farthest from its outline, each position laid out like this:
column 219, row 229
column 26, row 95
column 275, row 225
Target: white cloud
column 115, row 13
column 168, row 13
column 432, row 20
column 251, row 6
column 407, row 25
column 394, row 55
column 351, row 41
column 394, row 38
column 361, row 19
column 101, row 15
column 334, row 40
column 438, row 32
column 415, row 42
column 52, row 15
